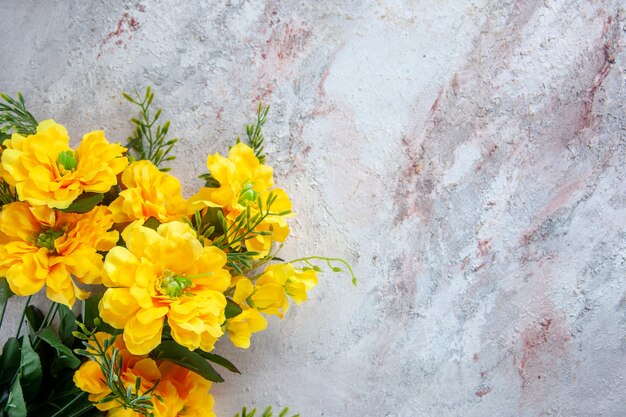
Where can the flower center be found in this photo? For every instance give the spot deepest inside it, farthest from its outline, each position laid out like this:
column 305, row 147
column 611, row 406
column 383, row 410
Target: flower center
column 66, row 161
column 248, row 195
column 173, row 285
column 46, row 238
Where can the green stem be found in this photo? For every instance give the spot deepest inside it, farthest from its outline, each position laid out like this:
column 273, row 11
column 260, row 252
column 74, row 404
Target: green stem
column 4, row 307
column 82, row 394
column 45, row 322
column 19, row 329
column 328, row 262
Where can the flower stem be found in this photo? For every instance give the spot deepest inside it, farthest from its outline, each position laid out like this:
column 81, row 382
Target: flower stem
column 76, row 398
column 4, row 308
column 329, row 263
column 19, row 329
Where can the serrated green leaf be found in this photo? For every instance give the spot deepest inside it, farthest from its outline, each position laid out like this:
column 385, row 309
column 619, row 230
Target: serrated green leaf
column 84, row 203
column 10, row 360
column 65, row 356
column 182, row 356
column 30, row 369
column 220, row 360
column 16, row 406
column 232, row 309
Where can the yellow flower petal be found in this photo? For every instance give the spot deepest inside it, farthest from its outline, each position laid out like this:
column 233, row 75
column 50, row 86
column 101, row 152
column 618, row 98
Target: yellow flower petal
column 141, row 338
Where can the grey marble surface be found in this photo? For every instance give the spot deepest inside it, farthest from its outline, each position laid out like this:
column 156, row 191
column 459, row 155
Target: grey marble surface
column 468, row 157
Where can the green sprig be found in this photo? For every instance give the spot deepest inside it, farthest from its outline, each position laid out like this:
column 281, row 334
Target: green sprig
column 149, row 141
column 110, row 361
column 254, row 133
column 243, row 228
column 266, row 413
column 15, row 118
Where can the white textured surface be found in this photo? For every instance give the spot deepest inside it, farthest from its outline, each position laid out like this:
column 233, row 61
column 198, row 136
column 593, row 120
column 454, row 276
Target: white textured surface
column 468, row 157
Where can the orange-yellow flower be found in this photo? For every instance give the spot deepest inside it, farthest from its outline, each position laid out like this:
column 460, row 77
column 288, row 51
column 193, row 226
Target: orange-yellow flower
column 148, row 192
column 46, row 171
column 178, row 393
column 42, row 246
column 242, row 181
column 165, row 273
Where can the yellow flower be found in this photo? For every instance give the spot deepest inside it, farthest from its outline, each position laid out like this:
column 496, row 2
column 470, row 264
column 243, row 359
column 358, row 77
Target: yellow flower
column 241, row 327
column 42, row 246
column 182, row 393
column 299, row 283
column 243, row 180
column 178, row 393
column 148, row 193
column 276, row 283
column 165, row 273
column 46, row 171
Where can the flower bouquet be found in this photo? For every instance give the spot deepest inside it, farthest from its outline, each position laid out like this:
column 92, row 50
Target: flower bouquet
column 142, row 281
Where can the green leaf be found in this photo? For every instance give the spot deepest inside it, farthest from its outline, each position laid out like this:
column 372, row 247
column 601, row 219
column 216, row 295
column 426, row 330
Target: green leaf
column 232, row 309
column 220, row 360
column 66, row 358
column 90, row 310
column 16, row 406
column 65, row 399
column 5, row 291
column 30, row 369
column 10, row 360
column 34, row 317
column 182, row 356
column 152, row 223
column 67, row 325
column 84, row 203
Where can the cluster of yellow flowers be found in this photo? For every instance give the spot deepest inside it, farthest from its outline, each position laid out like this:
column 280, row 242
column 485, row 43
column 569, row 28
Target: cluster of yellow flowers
column 173, row 268
column 176, row 391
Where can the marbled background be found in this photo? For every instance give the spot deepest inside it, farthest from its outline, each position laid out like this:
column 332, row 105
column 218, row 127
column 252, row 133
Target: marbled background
column 468, row 157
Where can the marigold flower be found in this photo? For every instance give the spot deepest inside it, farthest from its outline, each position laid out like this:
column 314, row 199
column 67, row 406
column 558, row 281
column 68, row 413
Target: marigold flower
column 42, row 246
column 46, row 171
column 178, row 391
column 148, row 192
column 241, row 327
column 243, row 179
column 165, row 273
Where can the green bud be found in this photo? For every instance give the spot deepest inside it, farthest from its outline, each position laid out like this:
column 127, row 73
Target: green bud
column 174, row 286
column 46, row 238
column 67, row 160
column 248, row 195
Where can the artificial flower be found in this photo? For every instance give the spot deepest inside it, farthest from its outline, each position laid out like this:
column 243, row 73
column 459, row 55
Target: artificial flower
column 250, row 320
column 46, row 171
column 175, row 391
column 243, row 181
column 276, row 284
column 165, row 273
column 148, row 192
column 42, row 246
